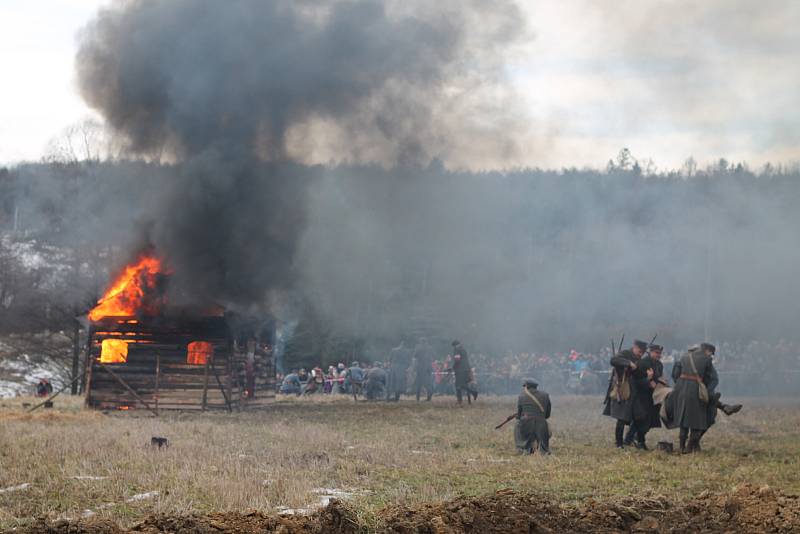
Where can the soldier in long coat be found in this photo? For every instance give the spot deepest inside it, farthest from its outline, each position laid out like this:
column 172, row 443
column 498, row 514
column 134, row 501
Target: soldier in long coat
column 651, row 365
column 662, row 396
column 399, row 362
column 691, row 414
column 463, row 373
column 374, row 386
column 533, row 410
column 624, row 401
column 423, row 368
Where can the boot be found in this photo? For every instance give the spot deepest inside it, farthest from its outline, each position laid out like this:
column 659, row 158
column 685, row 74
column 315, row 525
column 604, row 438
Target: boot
column 642, row 446
column 619, row 430
column 683, row 443
column 730, row 409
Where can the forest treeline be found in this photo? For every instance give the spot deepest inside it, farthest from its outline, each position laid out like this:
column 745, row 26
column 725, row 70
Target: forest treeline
column 524, row 259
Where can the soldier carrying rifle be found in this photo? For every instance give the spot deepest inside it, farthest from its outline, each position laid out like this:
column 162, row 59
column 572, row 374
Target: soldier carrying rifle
column 533, row 410
column 624, row 402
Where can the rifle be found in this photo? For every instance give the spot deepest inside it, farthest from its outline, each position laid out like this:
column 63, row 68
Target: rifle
column 509, row 418
column 611, row 375
column 651, row 342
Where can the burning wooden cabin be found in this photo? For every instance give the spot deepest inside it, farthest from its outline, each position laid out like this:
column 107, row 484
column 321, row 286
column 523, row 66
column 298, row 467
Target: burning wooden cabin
column 143, row 353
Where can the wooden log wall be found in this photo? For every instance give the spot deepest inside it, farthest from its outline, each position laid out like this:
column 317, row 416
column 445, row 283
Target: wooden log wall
column 157, row 370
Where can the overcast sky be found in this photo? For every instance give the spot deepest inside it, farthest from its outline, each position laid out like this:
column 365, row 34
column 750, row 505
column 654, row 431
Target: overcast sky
column 668, row 79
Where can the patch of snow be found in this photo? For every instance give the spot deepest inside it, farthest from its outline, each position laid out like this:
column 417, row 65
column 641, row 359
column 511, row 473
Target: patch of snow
column 135, row 498
column 11, row 489
column 326, row 495
column 143, row 496
column 20, row 374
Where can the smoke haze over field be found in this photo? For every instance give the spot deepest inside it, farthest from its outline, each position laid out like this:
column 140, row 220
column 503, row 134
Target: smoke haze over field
column 246, row 99
column 553, row 260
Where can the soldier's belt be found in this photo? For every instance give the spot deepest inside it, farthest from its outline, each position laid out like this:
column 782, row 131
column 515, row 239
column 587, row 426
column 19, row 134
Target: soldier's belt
column 693, row 378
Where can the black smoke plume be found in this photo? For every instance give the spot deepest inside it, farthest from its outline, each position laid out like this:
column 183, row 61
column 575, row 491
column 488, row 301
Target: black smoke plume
column 241, row 95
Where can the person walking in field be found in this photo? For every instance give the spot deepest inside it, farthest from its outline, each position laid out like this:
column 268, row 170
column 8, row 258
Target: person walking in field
column 423, row 368
column 399, row 362
column 532, row 431
column 694, row 396
column 463, row 373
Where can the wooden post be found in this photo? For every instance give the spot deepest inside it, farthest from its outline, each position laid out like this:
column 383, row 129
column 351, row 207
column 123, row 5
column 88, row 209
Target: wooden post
column 158, row 377
column 87, row 374
column 76, row 355
column 205, row 381
column 229, row 372
column 222, row 388
column 126, row 386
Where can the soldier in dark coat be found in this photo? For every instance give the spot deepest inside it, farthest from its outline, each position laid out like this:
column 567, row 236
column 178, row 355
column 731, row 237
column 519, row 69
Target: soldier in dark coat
column 662, row 395
column 689, row 412
column 374, row 386
column 399, row 362
column 624, row 401
column 463, row 373
column 654, row 371
column 423, row 368
column 531, row 430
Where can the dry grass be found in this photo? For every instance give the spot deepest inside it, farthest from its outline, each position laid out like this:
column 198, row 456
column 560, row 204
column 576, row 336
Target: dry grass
column 392, row 452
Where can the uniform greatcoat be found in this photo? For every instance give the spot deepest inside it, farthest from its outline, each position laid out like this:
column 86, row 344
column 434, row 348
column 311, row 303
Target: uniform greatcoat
column 688, row 410
column 635, row 407
column 531, row 426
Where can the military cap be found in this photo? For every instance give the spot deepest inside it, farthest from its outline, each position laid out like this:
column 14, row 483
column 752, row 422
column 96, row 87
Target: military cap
column 530, row 383
column 354, row 364
column 656, row 348
column 641, row 344
column 709, row 347
column 455, row 343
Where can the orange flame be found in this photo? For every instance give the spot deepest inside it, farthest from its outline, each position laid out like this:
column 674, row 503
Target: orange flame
column 199, row 352
column 127, row 295
column 114, row 351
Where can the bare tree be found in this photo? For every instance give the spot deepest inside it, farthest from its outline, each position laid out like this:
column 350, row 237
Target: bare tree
column 87, row 140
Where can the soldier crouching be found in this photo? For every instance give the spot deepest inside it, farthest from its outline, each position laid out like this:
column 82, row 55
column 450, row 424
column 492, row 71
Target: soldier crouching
column 533, row 410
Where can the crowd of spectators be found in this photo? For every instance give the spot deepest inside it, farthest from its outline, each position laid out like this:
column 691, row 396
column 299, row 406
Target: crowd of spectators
column 759, row 367
column 756, row 367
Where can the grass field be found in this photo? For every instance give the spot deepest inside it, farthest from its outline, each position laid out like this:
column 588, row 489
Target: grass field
column 382, row 453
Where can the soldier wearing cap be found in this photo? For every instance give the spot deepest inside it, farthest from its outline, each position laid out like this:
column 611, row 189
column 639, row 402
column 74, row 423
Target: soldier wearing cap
column 531, row 430
column 624, row 401
column 653, row 369
column 690, row 412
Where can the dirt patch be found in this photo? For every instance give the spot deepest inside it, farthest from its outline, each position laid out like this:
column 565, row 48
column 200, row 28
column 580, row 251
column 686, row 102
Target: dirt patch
column 334, row 518
column 746, row 508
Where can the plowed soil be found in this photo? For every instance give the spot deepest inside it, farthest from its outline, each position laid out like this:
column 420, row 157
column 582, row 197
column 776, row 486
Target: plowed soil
column 746, row 508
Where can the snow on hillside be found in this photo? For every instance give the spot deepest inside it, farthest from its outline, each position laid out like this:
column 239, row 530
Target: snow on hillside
column 19, row 374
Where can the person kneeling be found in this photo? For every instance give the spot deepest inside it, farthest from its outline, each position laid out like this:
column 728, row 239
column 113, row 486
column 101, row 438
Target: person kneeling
column 533, row 410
